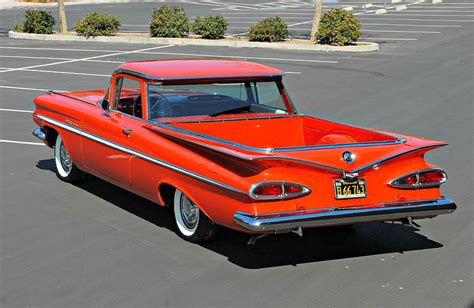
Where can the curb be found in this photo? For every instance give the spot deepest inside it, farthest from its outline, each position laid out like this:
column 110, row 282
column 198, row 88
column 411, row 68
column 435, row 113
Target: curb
column 133, row 39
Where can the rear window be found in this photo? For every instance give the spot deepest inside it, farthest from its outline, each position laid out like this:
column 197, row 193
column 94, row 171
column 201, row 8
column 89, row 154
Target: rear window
column 214, row 99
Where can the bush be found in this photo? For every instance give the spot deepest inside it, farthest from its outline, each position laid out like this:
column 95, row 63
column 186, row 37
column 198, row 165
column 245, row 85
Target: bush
column 210, row 27
column 338, row 27
column 37, row 21
column 95, row 24
column 169, row 21
column 271, row 29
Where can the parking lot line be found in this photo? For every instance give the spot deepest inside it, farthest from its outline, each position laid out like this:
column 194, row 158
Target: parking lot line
column 411, row 25
column 55, row 58
column 406, row 13
column 387, row 39
column 87, row 58
column 367, row 30
column 415, row 19
column 184, row 54
column 29, row 89
column 60, row 72
column 21, row 142
column 15, row 110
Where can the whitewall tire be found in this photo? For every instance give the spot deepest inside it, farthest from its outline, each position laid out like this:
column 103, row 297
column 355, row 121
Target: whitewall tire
column 65, row 168
column 191, row 223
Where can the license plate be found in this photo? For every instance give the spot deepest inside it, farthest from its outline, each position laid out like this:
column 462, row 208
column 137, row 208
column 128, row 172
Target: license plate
column 349, row 189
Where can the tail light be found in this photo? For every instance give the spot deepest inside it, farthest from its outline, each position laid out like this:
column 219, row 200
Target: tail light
column 277, row 190
column 421, row 179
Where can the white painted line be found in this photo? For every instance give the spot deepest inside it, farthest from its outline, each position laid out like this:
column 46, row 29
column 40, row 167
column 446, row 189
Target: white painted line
column 188, row 54
column 296, row 73
column 413, row 19
column 16, row 110
column 386, row 39
column 403, row 31
column 59, row 72
column 82, row 59
column 54, row 58
column 21, row 142
column 411, row 25
column 380, row 11
column 408, row 13
column 29, row 89
column 245, row 57
column 60, row 49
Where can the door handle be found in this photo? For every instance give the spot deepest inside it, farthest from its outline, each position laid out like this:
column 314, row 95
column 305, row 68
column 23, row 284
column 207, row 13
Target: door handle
column 126, row 131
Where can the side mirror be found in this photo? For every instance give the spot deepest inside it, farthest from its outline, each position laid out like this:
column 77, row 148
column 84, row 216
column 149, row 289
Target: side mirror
column 104, row 104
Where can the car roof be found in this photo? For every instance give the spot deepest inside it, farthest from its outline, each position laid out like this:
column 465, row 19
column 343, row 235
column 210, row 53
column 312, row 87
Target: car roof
column 179, row 69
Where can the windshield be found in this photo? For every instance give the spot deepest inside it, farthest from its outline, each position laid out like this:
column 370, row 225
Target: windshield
column 215, row 99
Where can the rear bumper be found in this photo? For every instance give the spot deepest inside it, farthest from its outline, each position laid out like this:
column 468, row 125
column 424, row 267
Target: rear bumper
column 337, row 216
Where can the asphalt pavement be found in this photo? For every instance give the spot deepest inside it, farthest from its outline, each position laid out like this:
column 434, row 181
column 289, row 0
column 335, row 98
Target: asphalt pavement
column 97, row 245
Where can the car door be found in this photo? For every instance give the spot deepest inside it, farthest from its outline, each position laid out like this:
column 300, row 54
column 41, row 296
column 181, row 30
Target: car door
column 107, row 153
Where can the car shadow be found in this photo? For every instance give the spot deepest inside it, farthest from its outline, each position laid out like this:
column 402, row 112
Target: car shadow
column 318, row 244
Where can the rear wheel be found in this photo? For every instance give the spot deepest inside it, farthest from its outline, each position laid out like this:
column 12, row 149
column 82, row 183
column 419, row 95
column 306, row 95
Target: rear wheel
column 65, row 168
column 191, row 224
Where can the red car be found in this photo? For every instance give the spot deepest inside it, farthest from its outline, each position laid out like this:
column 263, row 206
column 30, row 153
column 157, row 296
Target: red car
column 221, row 142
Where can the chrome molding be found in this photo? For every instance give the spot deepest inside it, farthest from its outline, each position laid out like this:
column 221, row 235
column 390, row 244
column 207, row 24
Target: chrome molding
column 394, row 183
column 286, row 221
column 137, row 154
column 70, row 96
column 380, row 161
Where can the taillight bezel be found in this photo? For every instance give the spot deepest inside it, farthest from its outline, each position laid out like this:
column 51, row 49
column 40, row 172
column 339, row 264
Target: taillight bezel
column 394, row 182
column 304, row 191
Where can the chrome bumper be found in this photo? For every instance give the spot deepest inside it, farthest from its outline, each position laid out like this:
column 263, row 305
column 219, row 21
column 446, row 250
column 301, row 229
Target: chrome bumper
column 339, row 216
column 40, row 134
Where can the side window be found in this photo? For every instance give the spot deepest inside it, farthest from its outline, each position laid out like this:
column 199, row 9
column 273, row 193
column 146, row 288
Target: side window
column 268, row 95
column 127, row 96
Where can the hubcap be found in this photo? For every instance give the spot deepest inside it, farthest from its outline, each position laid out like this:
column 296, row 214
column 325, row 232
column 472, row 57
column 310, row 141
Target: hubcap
column 189, row 212
column 65, row 158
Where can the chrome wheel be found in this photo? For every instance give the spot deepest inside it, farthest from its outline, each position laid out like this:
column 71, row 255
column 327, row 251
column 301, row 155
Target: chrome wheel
column 189, row 212
column 65, row 159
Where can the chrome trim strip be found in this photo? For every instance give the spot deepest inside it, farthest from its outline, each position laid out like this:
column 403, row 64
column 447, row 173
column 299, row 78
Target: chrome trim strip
column 398, row 140
column 138, row 154
column 380, row 161
column 70, row 96
column 274, row 222
column 418, row 184
column 149, row 77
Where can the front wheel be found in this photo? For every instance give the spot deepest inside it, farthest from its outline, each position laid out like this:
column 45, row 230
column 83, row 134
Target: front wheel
column 65, row 168
column 191, row 224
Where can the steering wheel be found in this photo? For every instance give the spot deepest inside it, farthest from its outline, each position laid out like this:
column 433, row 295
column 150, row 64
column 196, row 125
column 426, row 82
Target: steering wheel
column 137, row 107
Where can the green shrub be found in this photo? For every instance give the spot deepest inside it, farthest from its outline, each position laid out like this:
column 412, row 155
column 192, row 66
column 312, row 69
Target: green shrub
column 271, row 29
column 210, row 27
column 338, row 27
column 37, row 21
column 169, row 21
column 95, row 24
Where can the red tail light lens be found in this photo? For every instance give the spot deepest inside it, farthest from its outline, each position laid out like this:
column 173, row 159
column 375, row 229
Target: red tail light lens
column 435, row 176
column 277, row 190
column 421, row 179
column 268, row 190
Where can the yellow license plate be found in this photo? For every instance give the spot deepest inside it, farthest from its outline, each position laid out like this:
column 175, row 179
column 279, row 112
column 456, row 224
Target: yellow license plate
column 349, row 190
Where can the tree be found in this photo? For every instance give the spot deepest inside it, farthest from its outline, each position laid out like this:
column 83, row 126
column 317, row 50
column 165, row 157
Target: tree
column 62, row 17
column 316, row 20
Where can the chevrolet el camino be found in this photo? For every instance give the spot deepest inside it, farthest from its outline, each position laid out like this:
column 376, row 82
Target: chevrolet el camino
column 221, row 143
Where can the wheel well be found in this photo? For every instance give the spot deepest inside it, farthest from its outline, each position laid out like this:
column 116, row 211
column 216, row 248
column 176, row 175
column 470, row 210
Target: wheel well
column 167, row 194
column 51, row 135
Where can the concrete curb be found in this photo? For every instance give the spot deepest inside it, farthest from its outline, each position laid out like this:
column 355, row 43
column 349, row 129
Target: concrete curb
column 135, row 39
